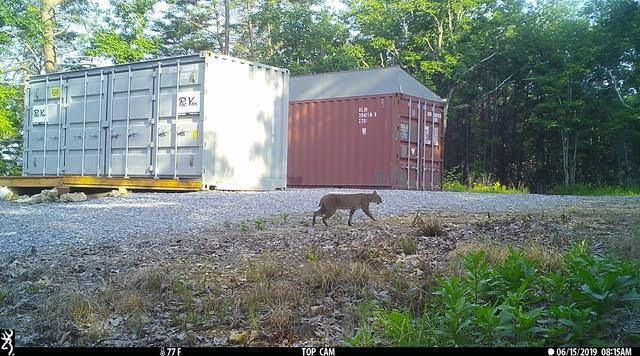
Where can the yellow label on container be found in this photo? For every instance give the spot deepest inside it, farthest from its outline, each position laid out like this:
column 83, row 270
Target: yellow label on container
column 54, row 92
column 195, row 135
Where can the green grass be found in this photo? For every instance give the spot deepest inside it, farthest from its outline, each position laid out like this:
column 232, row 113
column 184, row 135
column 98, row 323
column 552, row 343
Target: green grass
column 408, row 246
column 586, row 189
column 587, row 300
column 495, row 188
column 261, row 224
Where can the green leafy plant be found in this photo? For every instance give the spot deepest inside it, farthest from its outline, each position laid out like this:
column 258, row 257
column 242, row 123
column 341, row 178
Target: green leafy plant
column 261, row 224
column 244, row 227
column 407, row 245
column 514, row 302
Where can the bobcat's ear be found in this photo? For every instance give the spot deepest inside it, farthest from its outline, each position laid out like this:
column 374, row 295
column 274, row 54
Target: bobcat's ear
column 374, row 192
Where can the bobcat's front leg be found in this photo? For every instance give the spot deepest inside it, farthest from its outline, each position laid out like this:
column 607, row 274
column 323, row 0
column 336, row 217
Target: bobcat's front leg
column 368, row 213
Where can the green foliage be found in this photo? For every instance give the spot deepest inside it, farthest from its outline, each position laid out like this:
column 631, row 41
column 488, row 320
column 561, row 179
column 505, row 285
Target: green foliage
column 125, row 38
column 477, row 183
column 122, row 49
column 515, row 303
column 312, row 256
column 303, row 38
column 10, row 109
column 407, row 245
column 587, row 189
column 261, row 224
column 11, row 103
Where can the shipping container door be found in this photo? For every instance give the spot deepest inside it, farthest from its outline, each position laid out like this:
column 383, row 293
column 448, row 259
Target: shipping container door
column 44, row 128
column 420, row 140
column 180, row 115
column 410, row 143
column 129, row 123
column 84, row 135
column 432, row 147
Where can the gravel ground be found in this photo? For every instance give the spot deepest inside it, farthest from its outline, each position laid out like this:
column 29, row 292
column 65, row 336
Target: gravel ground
column 143, row 215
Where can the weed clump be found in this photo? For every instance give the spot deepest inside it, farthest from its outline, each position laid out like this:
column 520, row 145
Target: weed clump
column 431, row 227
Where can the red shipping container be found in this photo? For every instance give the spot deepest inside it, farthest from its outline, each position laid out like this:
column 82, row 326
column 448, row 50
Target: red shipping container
column 373, row 140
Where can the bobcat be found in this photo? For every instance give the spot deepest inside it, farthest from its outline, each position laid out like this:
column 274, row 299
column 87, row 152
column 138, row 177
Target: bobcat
column 352, row 202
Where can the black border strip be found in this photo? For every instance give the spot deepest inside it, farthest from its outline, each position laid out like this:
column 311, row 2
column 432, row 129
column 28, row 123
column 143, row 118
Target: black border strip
column 318, row 351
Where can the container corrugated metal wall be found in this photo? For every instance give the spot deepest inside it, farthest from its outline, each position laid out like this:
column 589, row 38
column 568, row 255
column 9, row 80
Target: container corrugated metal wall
column 209, row 117
column 365, row 141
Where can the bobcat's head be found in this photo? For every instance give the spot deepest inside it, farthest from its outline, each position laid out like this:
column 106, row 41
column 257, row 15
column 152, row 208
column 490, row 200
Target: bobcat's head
column 376, row 198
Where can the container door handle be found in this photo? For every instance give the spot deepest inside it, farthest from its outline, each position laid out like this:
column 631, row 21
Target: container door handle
column 115, row 135
column 132, row 134
column 182, row 132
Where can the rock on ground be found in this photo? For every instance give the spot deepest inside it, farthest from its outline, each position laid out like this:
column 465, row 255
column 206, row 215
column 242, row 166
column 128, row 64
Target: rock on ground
column 6, row 194
column 73, row 197
column 49, row 195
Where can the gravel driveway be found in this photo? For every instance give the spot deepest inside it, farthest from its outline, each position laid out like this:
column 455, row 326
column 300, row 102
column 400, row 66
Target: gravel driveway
column 145, row 215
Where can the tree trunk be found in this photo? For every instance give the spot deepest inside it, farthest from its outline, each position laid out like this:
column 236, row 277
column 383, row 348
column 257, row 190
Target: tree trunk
column 565, row 155
column 226, row 27
column 216, row 15
column 47, row 14
column 572, row 172
column 249, row 29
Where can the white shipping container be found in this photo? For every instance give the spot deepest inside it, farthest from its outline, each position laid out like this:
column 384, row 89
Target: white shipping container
column 208, row 117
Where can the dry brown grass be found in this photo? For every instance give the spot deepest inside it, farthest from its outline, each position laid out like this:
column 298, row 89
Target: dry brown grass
column 280, row 318
column 430, row 227
column 130, row 302
column 151, row 280
column 264, row 269
column 82, row 309
column 327, row 276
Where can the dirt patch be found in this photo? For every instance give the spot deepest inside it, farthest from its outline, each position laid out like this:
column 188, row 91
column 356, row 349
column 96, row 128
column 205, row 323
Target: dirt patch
column 272, row 282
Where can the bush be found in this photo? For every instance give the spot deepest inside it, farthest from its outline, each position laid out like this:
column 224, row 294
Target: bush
column 586, row 189
column 516, row 303
column 478, row 183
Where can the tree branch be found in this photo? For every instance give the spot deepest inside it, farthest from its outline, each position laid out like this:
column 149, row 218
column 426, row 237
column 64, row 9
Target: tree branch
column 498, row 86
column 477, row 64
column 615, row 87
column 36, row 58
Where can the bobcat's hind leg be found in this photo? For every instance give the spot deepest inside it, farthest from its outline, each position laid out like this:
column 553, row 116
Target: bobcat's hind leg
column 351, row 212
column 316, row 213
column 327, row 215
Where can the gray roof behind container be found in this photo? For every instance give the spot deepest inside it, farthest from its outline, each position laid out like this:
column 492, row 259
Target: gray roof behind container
column 376, row 81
